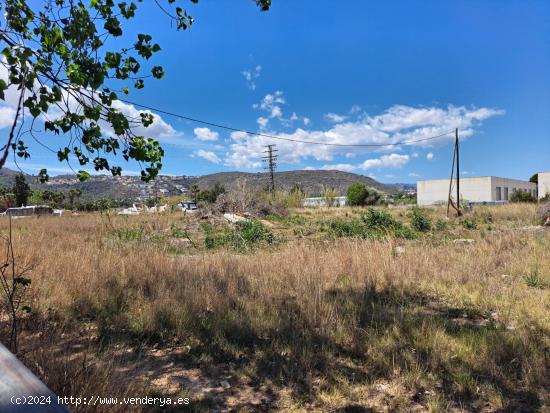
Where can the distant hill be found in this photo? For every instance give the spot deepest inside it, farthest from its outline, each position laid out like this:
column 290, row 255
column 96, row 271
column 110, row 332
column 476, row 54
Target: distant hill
column 312, row 182
column 105, row 186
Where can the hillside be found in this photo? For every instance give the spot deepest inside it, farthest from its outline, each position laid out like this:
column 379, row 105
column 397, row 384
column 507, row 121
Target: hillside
column 312, row 182
column 104, row 186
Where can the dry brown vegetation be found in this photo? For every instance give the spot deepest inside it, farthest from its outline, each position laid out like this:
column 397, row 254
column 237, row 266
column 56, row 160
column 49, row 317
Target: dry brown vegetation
column 310, row 322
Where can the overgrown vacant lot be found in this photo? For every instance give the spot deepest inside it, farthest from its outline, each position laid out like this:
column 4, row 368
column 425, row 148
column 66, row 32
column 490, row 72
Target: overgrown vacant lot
column 322, row 310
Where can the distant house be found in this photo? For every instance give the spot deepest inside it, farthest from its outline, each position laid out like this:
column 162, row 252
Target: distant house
column 27, row 211
column 477, row 190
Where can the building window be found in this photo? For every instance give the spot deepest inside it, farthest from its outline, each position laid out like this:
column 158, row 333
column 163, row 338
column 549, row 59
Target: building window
column 505, row 193
column 499, row 196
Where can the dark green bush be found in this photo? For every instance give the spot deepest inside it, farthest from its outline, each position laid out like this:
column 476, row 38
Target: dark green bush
column 373, row 224
column 420, row 220
column 359, row 194
column 469, row 223
column 349, row 229
column 378, row 219
column 246, row 235
column 522, row 196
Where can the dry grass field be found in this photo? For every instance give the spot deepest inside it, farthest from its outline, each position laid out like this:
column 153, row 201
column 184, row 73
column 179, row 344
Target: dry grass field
column 323, row 310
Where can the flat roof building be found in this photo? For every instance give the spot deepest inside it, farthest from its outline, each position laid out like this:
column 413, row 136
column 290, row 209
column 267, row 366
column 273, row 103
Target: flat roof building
column 543, row 184
column 478, row 189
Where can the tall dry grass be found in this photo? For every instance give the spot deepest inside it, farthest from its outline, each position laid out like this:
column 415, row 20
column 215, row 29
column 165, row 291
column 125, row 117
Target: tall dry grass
column 442, row 324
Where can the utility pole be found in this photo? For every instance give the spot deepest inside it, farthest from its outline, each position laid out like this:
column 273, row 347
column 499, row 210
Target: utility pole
column 457, row 173
column 455, row 159
column 271, row 160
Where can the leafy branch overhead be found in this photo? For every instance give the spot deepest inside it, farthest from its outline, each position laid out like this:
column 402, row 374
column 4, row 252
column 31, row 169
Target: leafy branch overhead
column 67, row 80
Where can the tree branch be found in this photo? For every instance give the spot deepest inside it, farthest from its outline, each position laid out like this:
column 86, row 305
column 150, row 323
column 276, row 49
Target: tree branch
column 7, row 147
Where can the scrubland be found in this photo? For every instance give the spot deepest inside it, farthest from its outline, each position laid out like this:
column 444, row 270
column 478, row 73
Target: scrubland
column 322, row 310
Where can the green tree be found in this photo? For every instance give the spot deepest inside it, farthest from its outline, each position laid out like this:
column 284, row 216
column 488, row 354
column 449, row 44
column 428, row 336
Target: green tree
column 195, row 192
column 53, row 198
column 73, row 194
column 7, row 197
column 21, row 190
column 204, row 195
column 359, row 194
column 216, row 191
column 57, row 55
column 534, row 178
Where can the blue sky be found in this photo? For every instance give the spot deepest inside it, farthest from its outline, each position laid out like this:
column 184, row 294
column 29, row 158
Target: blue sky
column 352, row 72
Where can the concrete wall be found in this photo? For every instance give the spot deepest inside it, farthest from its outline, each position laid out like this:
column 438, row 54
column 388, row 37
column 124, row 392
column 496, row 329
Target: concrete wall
column 544, row 184
column 339, row 201
column 436, row 191
column 479, row 189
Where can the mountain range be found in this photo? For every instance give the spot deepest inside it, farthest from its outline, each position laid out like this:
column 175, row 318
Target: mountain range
column 312, row 182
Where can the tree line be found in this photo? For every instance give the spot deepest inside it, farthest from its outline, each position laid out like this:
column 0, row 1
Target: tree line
column 21, row 194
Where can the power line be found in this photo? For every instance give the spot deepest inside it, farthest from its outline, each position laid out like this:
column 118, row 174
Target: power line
column 218, row 125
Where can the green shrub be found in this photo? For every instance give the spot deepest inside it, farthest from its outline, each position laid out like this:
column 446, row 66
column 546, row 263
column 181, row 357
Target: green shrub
column 486, row 217
column 420, row 220
column 373, row 224
column 533, row 280
column 130, row 234
column 441, row 225
column 404, row 232
column 522, row 196
column 469, row 223
column 342, row 228
column 379, row 220
column 246, row 235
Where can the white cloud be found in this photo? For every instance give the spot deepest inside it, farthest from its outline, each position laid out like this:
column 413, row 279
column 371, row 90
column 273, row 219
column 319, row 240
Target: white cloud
column 251, row 76
column 393, row 160
column 350, row 155
column 334, row 117
column 7, row 115
column 389, row 176
column 271, row 103
column 306, row 121
column 396, row 124
column 205, row 134
column 208, row 155
column 430, row 156
column 346, row 167
column 159, row 129
column 262, row 122
column 276, row 112
column 414, row 155
column 414, row 175
column 236, row 136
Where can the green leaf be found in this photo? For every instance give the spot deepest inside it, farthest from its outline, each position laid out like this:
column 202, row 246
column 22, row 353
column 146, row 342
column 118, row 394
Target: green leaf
column 43, row 176
column 3, row 87
column 83, row 176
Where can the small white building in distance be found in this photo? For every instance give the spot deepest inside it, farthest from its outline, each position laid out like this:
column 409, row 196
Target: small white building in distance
column 478, row 189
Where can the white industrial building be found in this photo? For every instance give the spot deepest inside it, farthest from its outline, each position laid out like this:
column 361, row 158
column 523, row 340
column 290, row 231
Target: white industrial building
column 544, row 184
column 479, row 189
